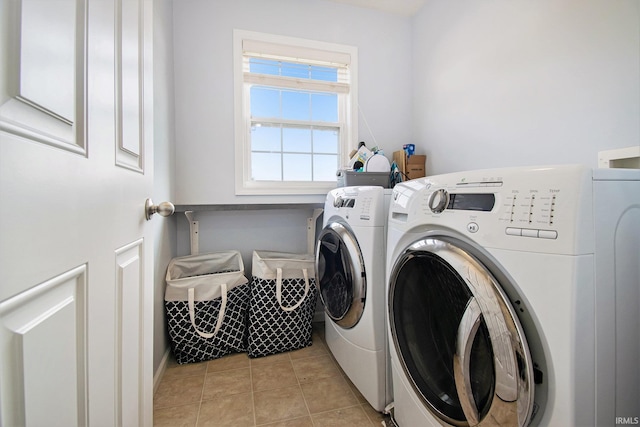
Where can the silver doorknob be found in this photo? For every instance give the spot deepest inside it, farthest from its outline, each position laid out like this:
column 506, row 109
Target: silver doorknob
column 163, row 209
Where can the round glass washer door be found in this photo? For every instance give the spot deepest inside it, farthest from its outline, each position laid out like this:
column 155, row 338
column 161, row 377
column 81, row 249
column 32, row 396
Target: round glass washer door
column 341, row 276
column 458, row 338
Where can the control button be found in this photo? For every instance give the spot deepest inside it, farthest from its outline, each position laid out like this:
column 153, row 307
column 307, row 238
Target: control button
column 548, row 234
column 472, row 227
column 512, row 231
column 527, row 232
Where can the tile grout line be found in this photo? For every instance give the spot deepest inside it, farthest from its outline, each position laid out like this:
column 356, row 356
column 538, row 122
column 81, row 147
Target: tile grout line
column 253, row 400
column 198, row 414
column 204, row 382
column 304, row 398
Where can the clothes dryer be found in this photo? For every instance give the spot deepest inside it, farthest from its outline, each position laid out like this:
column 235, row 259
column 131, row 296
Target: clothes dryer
column 513, row 297
column 350, row 260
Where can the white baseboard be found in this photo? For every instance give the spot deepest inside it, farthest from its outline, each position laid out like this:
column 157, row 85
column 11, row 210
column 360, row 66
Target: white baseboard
column 157, row 377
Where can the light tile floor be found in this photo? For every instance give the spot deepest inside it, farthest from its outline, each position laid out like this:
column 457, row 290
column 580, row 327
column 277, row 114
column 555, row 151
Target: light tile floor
column 302, row 388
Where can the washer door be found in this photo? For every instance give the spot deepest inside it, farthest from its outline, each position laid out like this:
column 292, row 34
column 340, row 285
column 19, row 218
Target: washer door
column 458, row 338
column 340, row 273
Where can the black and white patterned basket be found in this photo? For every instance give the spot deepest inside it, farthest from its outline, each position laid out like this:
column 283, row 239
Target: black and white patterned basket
column 282, row 302
column 206, row 303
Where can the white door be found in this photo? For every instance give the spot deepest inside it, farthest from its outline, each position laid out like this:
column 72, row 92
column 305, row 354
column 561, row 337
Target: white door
column 75, row 255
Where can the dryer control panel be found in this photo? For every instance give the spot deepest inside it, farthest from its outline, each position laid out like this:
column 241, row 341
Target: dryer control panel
column 362, row 205
column 503, row 206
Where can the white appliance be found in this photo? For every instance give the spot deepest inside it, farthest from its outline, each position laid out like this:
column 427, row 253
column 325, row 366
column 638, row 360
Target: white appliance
column 514, row 297
column 350, row 260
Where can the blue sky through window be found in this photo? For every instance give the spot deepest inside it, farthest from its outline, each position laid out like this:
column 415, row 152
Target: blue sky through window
column 296, row 105
column 325, row 141
column 292, row 69
column 268, row 102
column 297, row 140
column 265, row 102
column 294, row 133
column 324, row 107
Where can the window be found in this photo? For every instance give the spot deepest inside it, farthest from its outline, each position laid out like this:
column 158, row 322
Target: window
column 295, row 113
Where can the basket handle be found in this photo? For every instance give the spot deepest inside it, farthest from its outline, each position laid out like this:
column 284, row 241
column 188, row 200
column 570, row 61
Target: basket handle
column 279, row 289
column 192, row 310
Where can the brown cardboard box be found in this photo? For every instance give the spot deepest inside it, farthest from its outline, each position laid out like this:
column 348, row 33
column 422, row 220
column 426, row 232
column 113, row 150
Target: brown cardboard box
column 413, row 167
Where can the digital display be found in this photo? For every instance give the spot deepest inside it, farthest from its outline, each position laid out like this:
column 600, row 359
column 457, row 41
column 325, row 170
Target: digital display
column 346, row 203
column 472, row 202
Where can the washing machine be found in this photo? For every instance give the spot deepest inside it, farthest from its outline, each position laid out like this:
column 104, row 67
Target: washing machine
column 514, row 298
column 350, row 261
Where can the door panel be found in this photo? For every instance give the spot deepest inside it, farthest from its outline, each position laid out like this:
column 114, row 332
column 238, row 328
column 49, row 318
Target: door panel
column 74, row 265
column 43, row 41
column 129, row 151
column 28, row 324
column 129, row 318
column 55, row 20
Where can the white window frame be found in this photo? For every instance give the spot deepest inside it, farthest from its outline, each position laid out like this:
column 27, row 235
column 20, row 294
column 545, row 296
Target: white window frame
column 244, row 185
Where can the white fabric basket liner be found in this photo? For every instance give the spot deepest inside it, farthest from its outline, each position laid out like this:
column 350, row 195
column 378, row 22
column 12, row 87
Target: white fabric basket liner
column 265, row 264
column 205, row 273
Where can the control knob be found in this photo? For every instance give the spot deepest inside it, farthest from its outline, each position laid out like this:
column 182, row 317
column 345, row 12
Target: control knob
column 438, row 200
column 337, row 202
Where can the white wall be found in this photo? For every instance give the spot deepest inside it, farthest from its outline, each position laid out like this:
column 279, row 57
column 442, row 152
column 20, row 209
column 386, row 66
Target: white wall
column 164, row 229
column 276, row 230
column 508, row 83
column 203, row 35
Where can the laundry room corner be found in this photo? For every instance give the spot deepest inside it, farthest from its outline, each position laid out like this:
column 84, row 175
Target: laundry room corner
column 165, row 230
